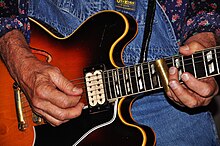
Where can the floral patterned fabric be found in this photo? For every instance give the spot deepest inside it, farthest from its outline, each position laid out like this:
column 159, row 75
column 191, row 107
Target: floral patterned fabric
column 188, row 17
column 13, row 15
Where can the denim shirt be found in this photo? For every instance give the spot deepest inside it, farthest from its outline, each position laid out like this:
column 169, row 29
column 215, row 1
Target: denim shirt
column 171, row 125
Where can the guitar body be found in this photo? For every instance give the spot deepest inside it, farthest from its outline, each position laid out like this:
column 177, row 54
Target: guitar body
column 99, row 40
column 114, row 133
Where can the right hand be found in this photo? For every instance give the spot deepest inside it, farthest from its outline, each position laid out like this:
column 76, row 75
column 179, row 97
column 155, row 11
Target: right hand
column 49, row 93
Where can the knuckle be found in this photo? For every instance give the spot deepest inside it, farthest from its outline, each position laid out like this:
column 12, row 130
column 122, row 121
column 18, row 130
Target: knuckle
column 61, row 116
column 54, row 70
column 192, row 103
column 36, row 103
column 64, row 103
column 206, row 92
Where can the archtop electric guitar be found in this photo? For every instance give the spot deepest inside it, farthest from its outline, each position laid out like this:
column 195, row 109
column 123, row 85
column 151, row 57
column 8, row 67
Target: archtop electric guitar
column 91, row 58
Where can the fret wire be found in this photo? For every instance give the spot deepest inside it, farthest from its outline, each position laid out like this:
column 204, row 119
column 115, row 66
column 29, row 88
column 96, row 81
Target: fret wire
column 123, row 74
column 158, row 78
column 151, row 83
column 104, row 85
column 216, row 59
column 203, row 55
column 109, row 84
column 129, row 73
column 142, row 70
column 113, row 76
column 137, row 83
column 187, row 64
column 119, row 84
column 194, row 68
column 183, row 63
column 173, row 60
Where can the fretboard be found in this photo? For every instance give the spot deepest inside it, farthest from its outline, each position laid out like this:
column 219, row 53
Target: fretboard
column 132, row 80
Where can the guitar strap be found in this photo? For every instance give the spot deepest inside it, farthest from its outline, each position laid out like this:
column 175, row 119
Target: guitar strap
column 148, row 29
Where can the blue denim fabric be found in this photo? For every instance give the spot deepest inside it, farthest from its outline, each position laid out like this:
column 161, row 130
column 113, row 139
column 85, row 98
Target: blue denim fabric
column 173, row 127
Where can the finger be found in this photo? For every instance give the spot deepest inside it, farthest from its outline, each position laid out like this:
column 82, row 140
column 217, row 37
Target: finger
column 173, row 73
column 65, row 85
column 185, row 97
column 56, row 97
column 49, row 119
column 204, row 88
column 174, row 98
column 188, row 97
column 53, row 113
column 190, row 48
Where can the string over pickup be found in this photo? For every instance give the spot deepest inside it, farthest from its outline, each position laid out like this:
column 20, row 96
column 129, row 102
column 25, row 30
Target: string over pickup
column 162, row 70
column 95, row 89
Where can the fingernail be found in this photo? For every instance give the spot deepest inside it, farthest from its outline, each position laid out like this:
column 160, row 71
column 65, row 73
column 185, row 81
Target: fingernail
column 185, row 77
column 172, row 70
column 185, row 47
column 75, row 89
column 173, row 84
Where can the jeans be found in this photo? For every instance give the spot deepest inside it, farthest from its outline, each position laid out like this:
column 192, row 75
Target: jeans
column 173, row 126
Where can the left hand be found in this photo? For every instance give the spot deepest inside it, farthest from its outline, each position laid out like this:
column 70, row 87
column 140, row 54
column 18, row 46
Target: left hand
column 192, row 92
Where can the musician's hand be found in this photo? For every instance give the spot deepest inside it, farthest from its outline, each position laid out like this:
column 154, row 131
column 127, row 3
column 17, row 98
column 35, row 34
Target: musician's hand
column 50, row 94
column 193, row 92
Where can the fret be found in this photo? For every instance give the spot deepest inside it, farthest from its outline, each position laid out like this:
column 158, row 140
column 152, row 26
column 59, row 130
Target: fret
column 125, row 77
column 133, row 79
column 177, row 63
column 211, row 64
column 136, row 79
column 194, row 68
column 121, row 81
column 116, row 83
column 199, row 65
column 147, row 76
column 127, row 80
column 218, row 57
column 142, row 71
column 149, row 69
column 183, row 65
column 203, row 55
column 159, row 81
column 143, row 77
column 216, row 60
column 154, row 76
column 139, row 77
column 188, row 64
column 109, row 84
column 169, row 61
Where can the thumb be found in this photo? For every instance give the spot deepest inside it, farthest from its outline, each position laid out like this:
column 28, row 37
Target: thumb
column 190, row 48
column 66, row 86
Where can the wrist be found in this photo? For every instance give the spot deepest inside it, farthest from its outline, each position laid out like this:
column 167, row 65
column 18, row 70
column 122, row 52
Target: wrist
column 15, row 52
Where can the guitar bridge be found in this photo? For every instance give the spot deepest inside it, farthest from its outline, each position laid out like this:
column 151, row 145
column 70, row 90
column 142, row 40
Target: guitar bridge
column 21, row 103
column 95, row 89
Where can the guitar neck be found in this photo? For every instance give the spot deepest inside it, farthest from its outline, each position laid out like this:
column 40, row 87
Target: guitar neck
column 143, row 77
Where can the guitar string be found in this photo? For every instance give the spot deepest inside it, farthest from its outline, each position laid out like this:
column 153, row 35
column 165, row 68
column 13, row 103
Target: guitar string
column 80, row 83
column 145, row 73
